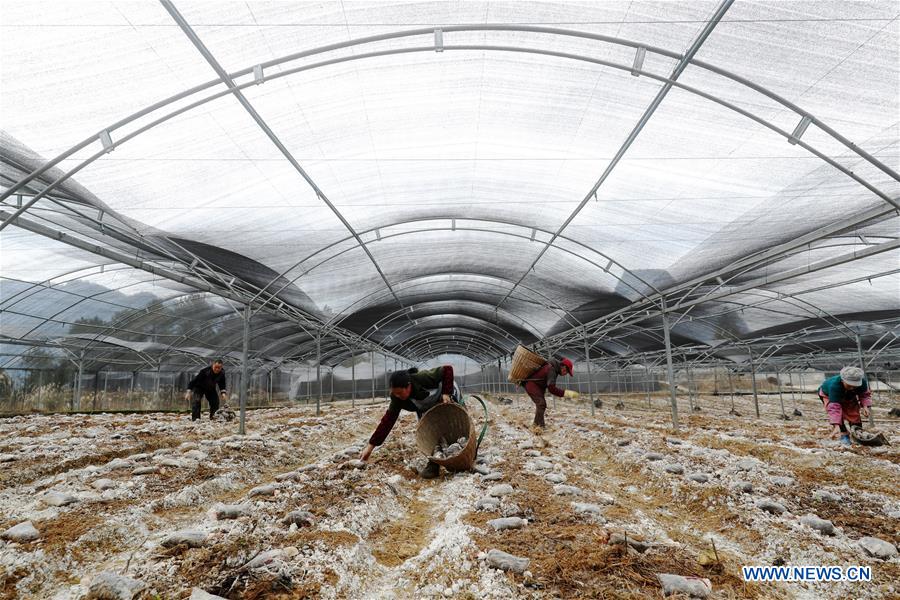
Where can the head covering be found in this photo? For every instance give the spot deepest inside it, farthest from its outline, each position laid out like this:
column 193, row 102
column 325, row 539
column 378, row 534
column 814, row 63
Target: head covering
column 568, row 364
column 852, row 376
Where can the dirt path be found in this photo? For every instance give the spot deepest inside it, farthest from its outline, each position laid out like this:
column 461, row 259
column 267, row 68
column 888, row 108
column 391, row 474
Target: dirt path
column 382, row 532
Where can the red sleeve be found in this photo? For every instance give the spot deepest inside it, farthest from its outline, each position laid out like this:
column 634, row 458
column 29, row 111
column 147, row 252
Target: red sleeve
column 447, row 381
column 384, row 426
column 558, row 392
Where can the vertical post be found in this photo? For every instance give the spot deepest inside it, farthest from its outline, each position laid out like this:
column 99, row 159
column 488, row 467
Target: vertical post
column 372, row 362
column 131, row 389
column 308, row 384
column 331, row 374
column 780, row 395
column 690, row 385
column 499, row 377
column 77, row 397
column 753, row 382
column 353, row 377
column 800, row 377
column 731, row 388
column 587, row 361
column 465, row 368
column 386, row 375
column 319, row 373
column 245, row 369
column 862, row 365
column 41, row 389
column 669, row 369
column 647, row 385
column 791, row 383
column 156, row 391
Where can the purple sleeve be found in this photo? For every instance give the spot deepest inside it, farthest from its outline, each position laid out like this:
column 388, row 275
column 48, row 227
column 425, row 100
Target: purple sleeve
column 384, row 426
column 556, row 391
column 865, row 398
column 835, row 413
column 447, row 380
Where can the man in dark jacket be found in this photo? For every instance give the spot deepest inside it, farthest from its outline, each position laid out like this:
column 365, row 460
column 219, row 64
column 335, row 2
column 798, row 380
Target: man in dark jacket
column 205, row 383
column 544, row 379
column 415, row 391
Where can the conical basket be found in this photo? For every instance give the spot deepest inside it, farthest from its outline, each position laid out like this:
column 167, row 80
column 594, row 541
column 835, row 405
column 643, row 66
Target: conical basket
column 451, row 422
column 524, row 363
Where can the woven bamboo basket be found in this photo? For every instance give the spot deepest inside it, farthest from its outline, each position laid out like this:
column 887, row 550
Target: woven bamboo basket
column 451, row 422
column 524, row 363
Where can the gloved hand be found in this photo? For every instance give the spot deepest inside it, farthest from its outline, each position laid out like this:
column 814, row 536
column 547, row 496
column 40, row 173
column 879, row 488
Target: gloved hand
column 571, row 394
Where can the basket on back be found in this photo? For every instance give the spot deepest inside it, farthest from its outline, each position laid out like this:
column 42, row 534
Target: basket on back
column 449, row 422
column 524, row 363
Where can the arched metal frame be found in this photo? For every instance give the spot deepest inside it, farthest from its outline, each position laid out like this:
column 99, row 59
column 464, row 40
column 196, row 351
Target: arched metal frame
column 235, row 89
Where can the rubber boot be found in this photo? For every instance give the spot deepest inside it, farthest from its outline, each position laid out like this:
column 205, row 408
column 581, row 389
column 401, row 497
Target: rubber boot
column 845, row 440
column 431, row 470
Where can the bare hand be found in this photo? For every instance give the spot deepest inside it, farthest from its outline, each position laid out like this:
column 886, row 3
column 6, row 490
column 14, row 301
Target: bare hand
column 187, row 395
column 835, row 431
column 445, row 398
column 865, row 411
column 366, row 453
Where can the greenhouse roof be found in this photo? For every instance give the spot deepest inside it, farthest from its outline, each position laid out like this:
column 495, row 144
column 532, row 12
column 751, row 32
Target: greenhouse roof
column 428, row 178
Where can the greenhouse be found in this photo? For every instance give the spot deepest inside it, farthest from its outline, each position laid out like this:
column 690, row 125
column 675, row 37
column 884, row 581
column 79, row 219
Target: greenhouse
column 693, row 205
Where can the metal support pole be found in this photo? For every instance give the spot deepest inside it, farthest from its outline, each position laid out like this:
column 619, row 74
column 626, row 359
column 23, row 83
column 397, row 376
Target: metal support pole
column 690, row 385
column 862, row 365
column 499, row 377
column 372, row 362
column 791, row 383
column 156, row 390
column 587, row 361
column 647, row 385
column 387, row 386
column 670, row 370
column 780, row 395
column 41, row 389
column 76, row 398
column 353, row 377
column 319, row 373
column 245, row 370
column 753, row 381
column 131, row 389
column 731, row 390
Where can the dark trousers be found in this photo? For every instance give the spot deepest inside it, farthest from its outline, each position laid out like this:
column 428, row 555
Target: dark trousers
column 211, row 397
column 537, row 393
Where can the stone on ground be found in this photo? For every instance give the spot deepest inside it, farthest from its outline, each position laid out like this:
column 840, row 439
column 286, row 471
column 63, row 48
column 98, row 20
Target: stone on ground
column 502, row 489
column 695, row 587
column 110, row 586
column 23, row 532
column 820, row 525
column 300, row 518
column 58, row 499
column 507, row 523
column 878, row 548
column 566, row 490
column 770, row 506
column 506, row 562
column 191, row 538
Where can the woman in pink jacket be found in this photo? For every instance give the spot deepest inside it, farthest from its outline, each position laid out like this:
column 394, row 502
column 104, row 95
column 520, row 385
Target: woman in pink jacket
column 845, row 396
